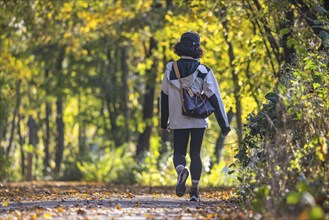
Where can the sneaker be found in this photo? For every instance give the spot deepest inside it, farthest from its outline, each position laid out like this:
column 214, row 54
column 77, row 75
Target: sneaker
column 180, row 186
column 194, row 197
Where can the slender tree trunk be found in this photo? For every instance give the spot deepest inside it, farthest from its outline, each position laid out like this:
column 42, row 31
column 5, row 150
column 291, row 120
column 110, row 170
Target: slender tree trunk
column 169, row 3
column 237, row 90
column 113, row 96
column 47, row 133
column 235, row 78
column 21, row 144
column 143, row 144
column 13, row 124
column 104, row 117
column 144, row 138
column 47, row 139
column 256, row 24
column 269, row 35
column 59, row 113
column 288, row 52
column 60, row 134
column 125, row 90
column 253, row 88
column 33, row 141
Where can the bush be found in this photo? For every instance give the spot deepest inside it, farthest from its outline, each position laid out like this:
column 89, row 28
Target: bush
column 112, row 166
column 284, row 155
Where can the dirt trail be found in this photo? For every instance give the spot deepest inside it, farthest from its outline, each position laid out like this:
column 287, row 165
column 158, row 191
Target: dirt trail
column 81, row 200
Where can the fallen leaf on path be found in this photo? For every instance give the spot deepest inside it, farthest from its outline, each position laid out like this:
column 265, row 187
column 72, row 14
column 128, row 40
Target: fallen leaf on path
column 81, row 212
column 47, row 215
column 149, row 216
column 129, row 195
column 303, row 215
column 34, row 216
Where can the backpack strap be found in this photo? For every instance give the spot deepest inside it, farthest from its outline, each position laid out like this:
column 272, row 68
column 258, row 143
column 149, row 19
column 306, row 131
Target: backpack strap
column 180, row 84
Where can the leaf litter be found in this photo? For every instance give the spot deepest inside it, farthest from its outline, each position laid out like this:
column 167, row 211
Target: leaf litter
column 87, row 200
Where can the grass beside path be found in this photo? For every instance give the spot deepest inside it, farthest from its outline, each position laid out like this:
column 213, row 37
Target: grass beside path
column 85, row 200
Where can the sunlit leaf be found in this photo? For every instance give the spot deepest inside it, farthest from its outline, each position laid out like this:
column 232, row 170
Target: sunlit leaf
column 293, row 198
column 47, row 215
column 316, row 212
column 284, row 31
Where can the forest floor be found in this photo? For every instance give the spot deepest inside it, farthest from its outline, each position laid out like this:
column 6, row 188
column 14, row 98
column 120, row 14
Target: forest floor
column 82, row 200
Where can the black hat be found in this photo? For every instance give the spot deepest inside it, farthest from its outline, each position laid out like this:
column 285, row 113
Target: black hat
column 191, row 36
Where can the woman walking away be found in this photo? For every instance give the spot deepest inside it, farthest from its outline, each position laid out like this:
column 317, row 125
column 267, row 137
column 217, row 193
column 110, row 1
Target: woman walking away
column 200, row 79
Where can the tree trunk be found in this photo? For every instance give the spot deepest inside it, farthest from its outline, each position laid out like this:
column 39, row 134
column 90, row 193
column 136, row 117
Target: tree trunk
column 33, row 141
column 288, row 51
column 125, row 90
column 21, row 144
column 143, row 144
column 144, row 138
column 269, row 35
column 60, row 134
column 235, row 78
column 47, row 134
column 113, row 96
column 59, row 112
column 169, row 3
column 256, row 24
column 13, row 124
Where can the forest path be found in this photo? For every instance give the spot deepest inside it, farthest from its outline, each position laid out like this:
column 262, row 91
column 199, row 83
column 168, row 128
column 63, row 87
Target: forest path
column 81, row 200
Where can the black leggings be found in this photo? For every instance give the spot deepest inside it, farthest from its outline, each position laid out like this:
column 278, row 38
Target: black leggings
column 181, row 137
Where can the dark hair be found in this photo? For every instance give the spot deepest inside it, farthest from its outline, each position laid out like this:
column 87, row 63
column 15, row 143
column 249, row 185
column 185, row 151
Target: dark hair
column 187, row 48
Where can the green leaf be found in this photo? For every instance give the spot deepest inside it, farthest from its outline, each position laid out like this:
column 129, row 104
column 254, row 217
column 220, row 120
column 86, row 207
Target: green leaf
column 316, row 85
column 284, row 31
column 316, row 212
column 290, row 42
column 230, row 172
column 232, row 165
column 240, row 179
column 310, row 65
column 323, row 35
column 293, row 198
column 272, row 97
